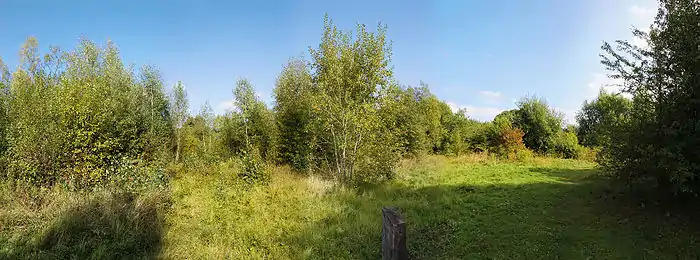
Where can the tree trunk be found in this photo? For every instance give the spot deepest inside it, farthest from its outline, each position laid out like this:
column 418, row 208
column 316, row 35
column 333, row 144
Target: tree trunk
column 177, row 148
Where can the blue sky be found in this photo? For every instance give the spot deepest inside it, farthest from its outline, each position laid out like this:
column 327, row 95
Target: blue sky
column 478, row 55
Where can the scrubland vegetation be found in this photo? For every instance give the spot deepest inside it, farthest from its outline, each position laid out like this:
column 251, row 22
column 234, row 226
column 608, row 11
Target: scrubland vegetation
column 99, row 161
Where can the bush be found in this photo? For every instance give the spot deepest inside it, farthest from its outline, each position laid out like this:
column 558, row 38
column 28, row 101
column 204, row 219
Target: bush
column 253, row 169
column 82, row 122
column 566, row 145
column 587, row 153
column 509, row 142
column 130, row 175
column 539, row 121
column 381, row 165
column 524, row 155
column 477, row 136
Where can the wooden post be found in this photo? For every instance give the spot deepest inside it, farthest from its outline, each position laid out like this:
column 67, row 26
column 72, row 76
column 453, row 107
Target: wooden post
column 393, row 235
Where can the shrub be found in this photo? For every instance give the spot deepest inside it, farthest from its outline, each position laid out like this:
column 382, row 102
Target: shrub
column 130, row 175
column 477, row 136
column 539, row 121
column 78, row 115
column 524, row 155
column 509, row 142
column 587, row 153
column 566, row 145
column 253, row 169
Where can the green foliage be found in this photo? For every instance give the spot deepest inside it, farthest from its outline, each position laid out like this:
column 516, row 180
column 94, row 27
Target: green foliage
column 293, row 114
column 56, row 224
column 478, row 135
column 658, row 147
column 76, row 115
column 258, row 122
column 540, row 123
column 599, row 119
column 233, row 133
column 348, row 75
column 506, row 118
column 200, row 143
column 566, row 145
column 253, row 169
column 458, row 208
column 180, row 111
column 404, row 112
column 454, row 136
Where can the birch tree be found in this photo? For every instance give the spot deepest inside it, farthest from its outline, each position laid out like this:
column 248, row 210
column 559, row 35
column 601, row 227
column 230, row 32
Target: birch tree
column 348, row 74
column 180, row 106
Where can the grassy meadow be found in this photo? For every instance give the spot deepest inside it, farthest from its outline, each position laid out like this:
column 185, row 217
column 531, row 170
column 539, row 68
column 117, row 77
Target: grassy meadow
column 456, row 208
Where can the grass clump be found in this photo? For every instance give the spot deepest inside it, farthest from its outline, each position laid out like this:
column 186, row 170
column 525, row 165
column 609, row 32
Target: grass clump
column 58, row 224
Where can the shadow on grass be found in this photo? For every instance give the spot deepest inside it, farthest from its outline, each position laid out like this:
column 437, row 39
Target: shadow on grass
column 575, row 218
column 113, row 226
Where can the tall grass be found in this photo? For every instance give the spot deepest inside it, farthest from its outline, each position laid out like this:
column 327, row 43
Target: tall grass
column 57, row 224
column 473, row 206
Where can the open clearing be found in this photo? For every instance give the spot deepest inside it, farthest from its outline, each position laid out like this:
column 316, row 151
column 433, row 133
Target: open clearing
column 456, row 208
column 466, row 207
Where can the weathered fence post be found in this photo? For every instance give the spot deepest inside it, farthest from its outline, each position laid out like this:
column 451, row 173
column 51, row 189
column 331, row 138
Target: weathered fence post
column 393, row 235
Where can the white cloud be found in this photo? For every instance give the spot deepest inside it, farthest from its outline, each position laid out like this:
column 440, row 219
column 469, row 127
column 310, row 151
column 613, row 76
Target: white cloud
column 259, row 94
column 490, row 94
column 569, row 116
column 601, row 80
column 641, row 43
column 492, row 97
column 642, row 16
column 225, row 106
column 478, row 113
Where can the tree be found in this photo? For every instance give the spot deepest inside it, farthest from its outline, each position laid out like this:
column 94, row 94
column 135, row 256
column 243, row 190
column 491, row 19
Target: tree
column 5, row 81
column 258, row 121
column 180, row 109
column 348, row 75
column 507, row 117
column 155, row 111
column 207, row 115
column 413, row 115
column 293, row 98
column 659, row 144
column 598, row 120
column 259, row 132
column 539, row 122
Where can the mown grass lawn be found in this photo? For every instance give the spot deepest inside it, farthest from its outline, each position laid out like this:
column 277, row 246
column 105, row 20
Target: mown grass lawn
column 456, row 208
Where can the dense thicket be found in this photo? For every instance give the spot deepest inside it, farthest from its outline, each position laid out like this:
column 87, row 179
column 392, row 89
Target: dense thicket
column 81, row 116
column 659, row 144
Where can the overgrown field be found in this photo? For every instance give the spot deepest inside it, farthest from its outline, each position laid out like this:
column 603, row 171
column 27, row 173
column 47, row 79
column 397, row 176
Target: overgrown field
column 465, row 207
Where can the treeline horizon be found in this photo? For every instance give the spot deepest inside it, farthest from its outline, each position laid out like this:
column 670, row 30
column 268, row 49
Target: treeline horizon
column 79, row 117
column 82, row 119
